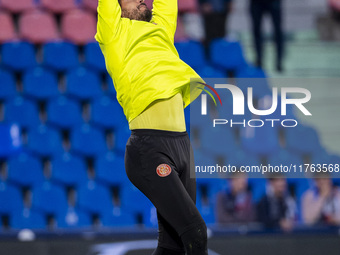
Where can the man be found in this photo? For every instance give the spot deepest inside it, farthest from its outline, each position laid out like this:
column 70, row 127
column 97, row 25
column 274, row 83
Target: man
column 321, row 203
column 277, row 209
column 258, row 8
column 153, row 87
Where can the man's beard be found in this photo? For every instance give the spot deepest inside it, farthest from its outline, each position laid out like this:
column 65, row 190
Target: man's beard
column 137, row 14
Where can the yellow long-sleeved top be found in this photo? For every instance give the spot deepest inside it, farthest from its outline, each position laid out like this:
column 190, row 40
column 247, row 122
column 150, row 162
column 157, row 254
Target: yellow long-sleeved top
column 141, row 57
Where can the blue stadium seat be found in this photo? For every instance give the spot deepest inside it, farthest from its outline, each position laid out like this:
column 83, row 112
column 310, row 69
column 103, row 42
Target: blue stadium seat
column 63, row 112
column 73, row 218
column 11, row 199
column 10, row 137
column 249, row 71
column 208, row 71
column 239, row 158
column 207, row 213
column 150, row 218
column 134, row 201
column 7, row 88
column 258, row 188
column 25, row 170
column 18, row 56
column 227, row 54
column 111, row 89
column 118, row 218
column 22, row 112
column 45, row 141
column 49, row 198
column 27, row 219
column 60, row 56
column 192, row 53
column 107, row 113
column 110, row 169
column 266, row 102
column 40, row 83
column 260, row 140
column 303, row 140
column 88, row 195
column 87, row 140
column 121, row 137
column 68, row 170
column 94, row 57
column 260, row 86
column 84, row 84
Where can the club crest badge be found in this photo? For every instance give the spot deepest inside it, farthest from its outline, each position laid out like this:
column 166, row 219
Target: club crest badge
column 163, row 170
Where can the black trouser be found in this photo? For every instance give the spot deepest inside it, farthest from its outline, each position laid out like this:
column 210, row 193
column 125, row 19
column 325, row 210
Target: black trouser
column 257, row 10
column 158, row 163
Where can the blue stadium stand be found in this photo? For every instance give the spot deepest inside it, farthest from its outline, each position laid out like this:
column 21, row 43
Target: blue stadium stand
column 45, row 141
column 110, row 169
column 40, row 84
column 64, row 113
column 25, row 170
column 27, row 219
column 111, row 89
column 11, row 199
column 192, row 53
column 60, row 56
column 18, row 56
column 22, row 112
column 7, row 88
column 94, row 58
column 73, row 218
column 227, row 54
column 68, row 170
column 208, row 71
column 117, row 217
column 49, row 198
column 302, row 140
column 122, row 135
column 239, row 158
column 265, row 103
column 258, row 188
column 87, row 140
column 107, row 113
column 10, row 137
column 262, row 141
column 250, row 71
column 94, row 198
column 83, row 84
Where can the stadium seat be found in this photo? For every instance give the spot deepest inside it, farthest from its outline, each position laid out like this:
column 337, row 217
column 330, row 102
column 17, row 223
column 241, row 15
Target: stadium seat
column 73, row 23
column 90, row 4
column 11, row 199
column 266, row 102
column 18, row 56
column 121, row 137
column 17, row 5
column 68, row 169
column 49, row 198
column 45, row 141
column 63, row 112
column 261, row 141
column 7, row 28
column 59, row 6
column 111, row 91
column 83, row 84
column 25, row 170
column 94, row 57
column 60, row 56
column 110, row 169
column 27, row 219
column 303, row 140
column 107, row 113
column 38, row 27
column 87, row 140
column 10, row 137
column 118, row 218
column 192, row 53
column 7, row 89
column 239, row 158
column 258, row 187
column 227, row 54
column 208, row 71
column 73, row 218
column 187, row 6
column 249, row 71
column 40, row 84
column 88, row 196
column 22, row 112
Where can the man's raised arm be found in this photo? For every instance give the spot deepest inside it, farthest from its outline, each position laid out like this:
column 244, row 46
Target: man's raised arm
column 109, row 14
column 164, row 12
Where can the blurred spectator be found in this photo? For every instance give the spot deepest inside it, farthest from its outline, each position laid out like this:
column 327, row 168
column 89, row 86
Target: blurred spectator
column 215, row 14
column 277, row 209
column 258, row 8
column 321, row 204
column 235, row 205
